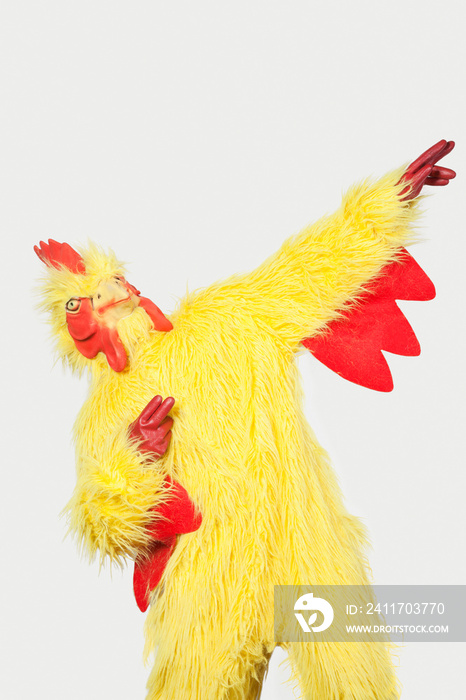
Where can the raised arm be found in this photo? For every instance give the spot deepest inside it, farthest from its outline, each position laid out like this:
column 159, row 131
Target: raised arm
column 316, row 274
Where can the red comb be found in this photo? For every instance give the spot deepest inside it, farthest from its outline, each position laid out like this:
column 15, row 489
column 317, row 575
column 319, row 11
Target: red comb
column 60, row 254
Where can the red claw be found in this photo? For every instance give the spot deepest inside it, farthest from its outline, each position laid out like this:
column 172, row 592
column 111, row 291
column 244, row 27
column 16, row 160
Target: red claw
column 422, row 171
column 153, row 428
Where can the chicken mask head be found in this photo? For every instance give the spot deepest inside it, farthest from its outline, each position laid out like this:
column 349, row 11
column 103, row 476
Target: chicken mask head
column 88, row 295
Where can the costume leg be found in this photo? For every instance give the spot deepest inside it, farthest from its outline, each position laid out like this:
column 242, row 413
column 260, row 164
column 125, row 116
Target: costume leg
column 207, row 679
column 343, row 671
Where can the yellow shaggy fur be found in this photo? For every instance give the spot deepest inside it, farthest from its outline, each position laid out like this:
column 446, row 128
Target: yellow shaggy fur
column 272, row 509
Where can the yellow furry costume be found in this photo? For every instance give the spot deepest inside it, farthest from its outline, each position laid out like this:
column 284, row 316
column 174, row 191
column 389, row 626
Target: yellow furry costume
column 272, row 510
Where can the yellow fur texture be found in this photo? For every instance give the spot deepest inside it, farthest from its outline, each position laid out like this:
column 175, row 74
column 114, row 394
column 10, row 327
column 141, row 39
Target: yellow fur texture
column 272, row 509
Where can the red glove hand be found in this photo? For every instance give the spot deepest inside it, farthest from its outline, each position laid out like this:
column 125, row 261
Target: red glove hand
column 422, row 171
column 153, row 428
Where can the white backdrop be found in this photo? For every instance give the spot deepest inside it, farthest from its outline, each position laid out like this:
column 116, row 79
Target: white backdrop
column 193, row 138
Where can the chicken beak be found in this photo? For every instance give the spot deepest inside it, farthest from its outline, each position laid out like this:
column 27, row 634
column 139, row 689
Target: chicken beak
column 113, row 301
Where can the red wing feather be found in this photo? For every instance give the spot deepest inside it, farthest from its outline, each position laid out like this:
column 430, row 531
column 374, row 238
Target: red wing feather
column 178, row 516
column 148, row 570
column 352, row 345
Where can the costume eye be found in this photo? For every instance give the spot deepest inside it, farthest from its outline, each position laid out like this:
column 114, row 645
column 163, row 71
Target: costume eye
column 119, row 280
column 73, row 305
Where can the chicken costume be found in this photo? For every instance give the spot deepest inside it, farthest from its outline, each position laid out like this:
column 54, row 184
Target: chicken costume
column 242, row 497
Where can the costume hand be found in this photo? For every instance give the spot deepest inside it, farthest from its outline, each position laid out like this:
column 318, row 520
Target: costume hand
column 153, row 427
column 422, row 171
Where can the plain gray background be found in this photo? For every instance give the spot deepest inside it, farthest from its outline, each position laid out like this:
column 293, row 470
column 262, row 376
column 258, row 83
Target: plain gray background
column 193, row 138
